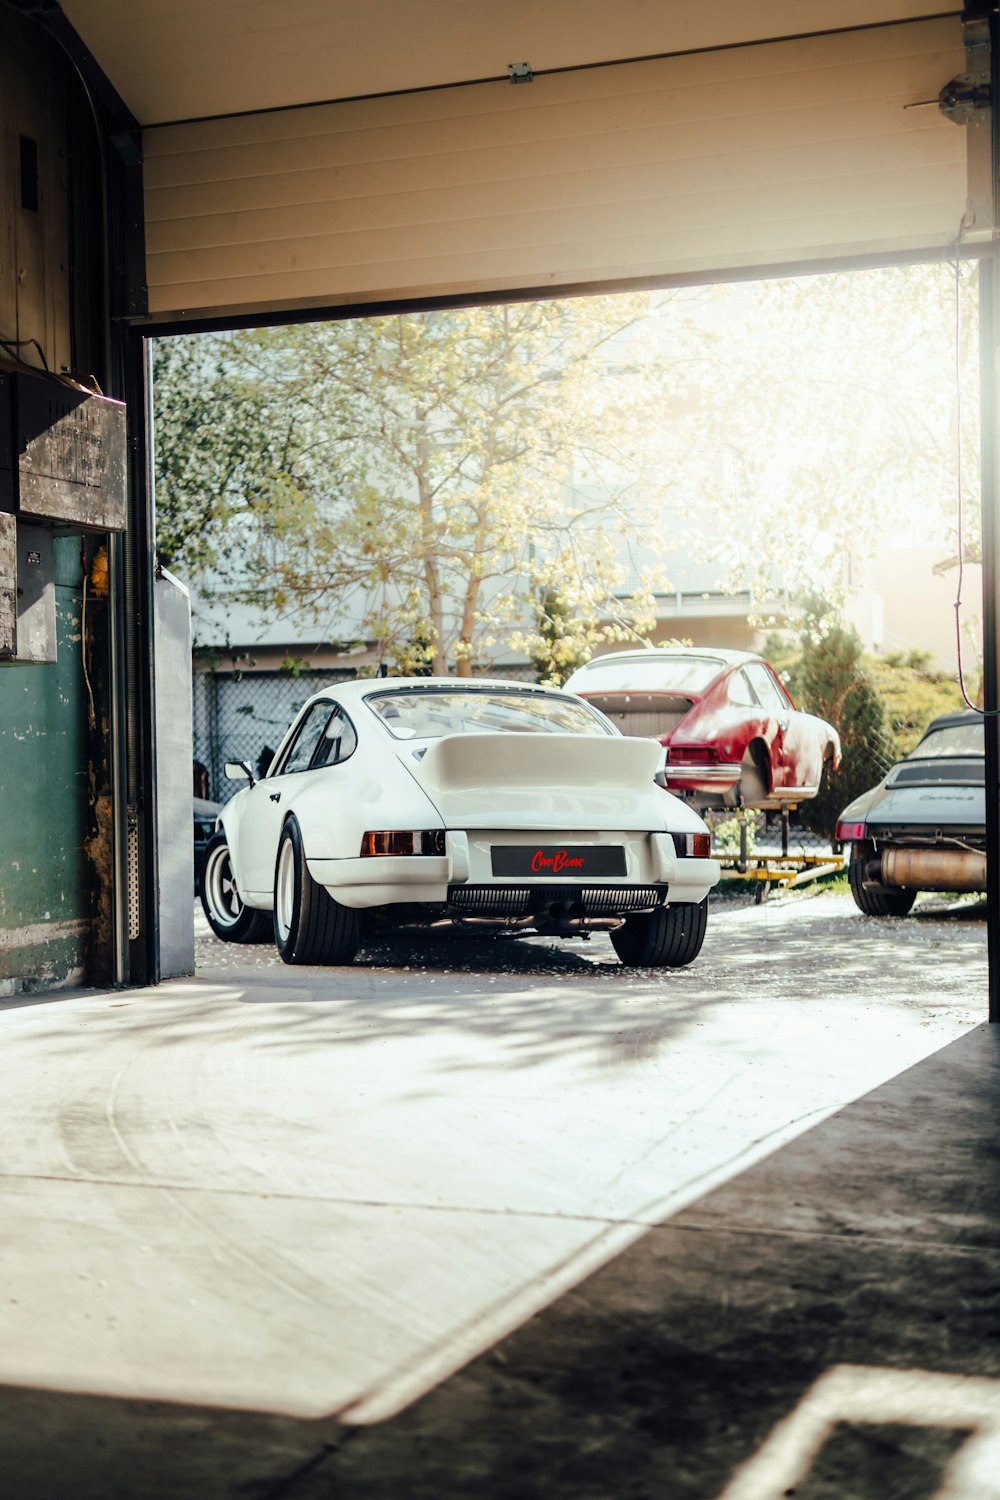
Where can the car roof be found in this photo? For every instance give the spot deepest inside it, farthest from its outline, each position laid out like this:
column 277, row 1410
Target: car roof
column 659, row 653
column 353, row 689
column 948, row 721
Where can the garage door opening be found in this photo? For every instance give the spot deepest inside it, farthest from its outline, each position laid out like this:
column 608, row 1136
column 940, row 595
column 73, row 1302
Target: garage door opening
column 787, row 468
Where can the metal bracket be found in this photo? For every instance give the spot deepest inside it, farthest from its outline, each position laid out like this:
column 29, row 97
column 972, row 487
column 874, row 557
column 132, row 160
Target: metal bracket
column 965, row 97
column 520, row 72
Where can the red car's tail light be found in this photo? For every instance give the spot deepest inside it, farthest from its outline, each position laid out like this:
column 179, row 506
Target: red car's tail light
column 692, row 754
column 393, row 842
column 693, row 845
column 849, row 833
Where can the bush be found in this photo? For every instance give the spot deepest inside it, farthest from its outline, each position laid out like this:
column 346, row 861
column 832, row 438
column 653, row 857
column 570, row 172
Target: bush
column 914, row 694
column 833, row 682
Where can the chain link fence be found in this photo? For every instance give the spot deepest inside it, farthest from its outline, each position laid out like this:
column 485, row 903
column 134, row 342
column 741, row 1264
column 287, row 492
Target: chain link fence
column 243, row 716
column 765, row 836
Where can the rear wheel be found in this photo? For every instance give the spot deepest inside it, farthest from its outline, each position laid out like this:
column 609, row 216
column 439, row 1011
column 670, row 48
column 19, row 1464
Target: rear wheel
column 755, row 781
column 228, row 918
column 876, row 903
column 309, row 926
column 669, row 937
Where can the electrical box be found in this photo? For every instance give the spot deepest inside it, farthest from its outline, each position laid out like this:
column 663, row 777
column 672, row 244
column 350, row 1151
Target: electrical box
column 70, row 453
column 62, row 453
column 36, row 595
column 27, row 592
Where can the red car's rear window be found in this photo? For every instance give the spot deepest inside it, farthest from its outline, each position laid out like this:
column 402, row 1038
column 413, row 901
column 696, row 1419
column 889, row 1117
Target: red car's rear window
column 665, row 674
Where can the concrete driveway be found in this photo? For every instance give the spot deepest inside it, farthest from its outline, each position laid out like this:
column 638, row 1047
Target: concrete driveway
column 311, row 1195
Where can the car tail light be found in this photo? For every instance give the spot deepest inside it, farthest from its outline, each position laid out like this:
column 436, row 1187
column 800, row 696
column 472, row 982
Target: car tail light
column 393, row 842
column 692, row 754
column 849, row 833
column 693, row 845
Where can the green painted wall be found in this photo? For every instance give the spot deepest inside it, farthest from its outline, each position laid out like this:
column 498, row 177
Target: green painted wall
column 44, row 892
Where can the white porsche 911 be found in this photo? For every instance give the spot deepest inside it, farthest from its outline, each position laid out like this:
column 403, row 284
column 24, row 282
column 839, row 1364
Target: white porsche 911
column 480, row 805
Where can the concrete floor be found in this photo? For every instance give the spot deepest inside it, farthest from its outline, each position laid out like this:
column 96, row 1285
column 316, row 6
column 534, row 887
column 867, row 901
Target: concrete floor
column 509, row 1221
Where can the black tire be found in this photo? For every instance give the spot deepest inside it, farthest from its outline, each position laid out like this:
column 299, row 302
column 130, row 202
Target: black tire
column 309, row 926
column 875, row 903
column 228, row 918
column 668, row 938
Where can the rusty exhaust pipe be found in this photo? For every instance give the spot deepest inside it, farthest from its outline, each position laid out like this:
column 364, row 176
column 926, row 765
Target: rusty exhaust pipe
column 934, row 869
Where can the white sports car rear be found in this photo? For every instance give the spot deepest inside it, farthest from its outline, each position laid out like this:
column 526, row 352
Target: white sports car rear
column 481, row 805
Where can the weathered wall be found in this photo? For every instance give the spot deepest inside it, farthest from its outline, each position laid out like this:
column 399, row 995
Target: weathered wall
column 52, row 309
column 44, row 906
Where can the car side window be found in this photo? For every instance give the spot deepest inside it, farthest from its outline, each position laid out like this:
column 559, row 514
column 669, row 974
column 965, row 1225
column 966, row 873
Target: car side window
column 310, row 732
column 338, row 740
column 766, row 688
column 740, row 692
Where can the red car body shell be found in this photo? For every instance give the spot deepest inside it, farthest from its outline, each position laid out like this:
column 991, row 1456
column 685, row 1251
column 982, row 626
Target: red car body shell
column 717, row 713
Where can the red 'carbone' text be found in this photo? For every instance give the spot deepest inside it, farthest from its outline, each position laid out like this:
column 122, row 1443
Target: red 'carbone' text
column 553, row 863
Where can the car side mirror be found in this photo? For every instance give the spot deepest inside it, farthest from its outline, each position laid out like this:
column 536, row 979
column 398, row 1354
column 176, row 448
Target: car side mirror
column 238, row 770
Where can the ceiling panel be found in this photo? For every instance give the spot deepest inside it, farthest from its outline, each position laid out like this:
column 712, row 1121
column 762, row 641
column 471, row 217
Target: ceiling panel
column 186, row 59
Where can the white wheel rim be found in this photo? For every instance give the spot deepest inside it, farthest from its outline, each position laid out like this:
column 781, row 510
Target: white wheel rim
column 284, row 890
column 220, row 888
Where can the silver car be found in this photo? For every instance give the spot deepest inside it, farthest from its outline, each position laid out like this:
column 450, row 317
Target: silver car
column 923, row 828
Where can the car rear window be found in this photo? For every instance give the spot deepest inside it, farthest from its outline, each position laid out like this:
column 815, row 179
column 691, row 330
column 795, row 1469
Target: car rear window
column 953, row 739
column 431, row 713
column 664, row 674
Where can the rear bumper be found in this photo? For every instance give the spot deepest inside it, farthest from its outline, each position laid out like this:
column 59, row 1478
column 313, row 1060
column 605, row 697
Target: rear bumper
column 651, row 862
column 707, row 777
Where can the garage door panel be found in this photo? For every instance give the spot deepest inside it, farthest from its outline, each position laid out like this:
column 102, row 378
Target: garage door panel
column 603, row 174
column 688, row 190
column 744, row 247
column 744, row 239
column 671, row 149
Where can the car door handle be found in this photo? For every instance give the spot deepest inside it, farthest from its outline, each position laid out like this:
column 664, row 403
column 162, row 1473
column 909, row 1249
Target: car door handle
column 275, row 796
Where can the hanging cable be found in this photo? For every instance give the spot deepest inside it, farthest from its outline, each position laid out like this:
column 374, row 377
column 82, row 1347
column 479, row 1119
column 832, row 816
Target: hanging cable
column 11, row 346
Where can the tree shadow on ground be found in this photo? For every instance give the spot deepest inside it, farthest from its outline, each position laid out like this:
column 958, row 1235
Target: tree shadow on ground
column 868, row 1241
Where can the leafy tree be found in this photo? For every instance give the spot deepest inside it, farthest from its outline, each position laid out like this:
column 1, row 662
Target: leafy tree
column 839, row 419
column 422, row 480
column 228, row 454
column 831, row 681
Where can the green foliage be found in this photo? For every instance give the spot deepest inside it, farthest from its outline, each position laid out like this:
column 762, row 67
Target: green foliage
column 726, row 835
column 558, row 649
column 228, row 456
column 831, row 681
column 914, row 693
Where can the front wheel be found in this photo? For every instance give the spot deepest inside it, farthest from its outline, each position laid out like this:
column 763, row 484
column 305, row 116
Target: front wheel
column 309, row 926
column 228, row 918
column 876, row 903
column 669, row 937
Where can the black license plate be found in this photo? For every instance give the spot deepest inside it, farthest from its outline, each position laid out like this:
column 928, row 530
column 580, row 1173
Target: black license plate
column 570, row 861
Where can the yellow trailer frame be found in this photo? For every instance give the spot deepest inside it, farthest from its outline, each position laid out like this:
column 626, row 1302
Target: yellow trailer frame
column 785, row 870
